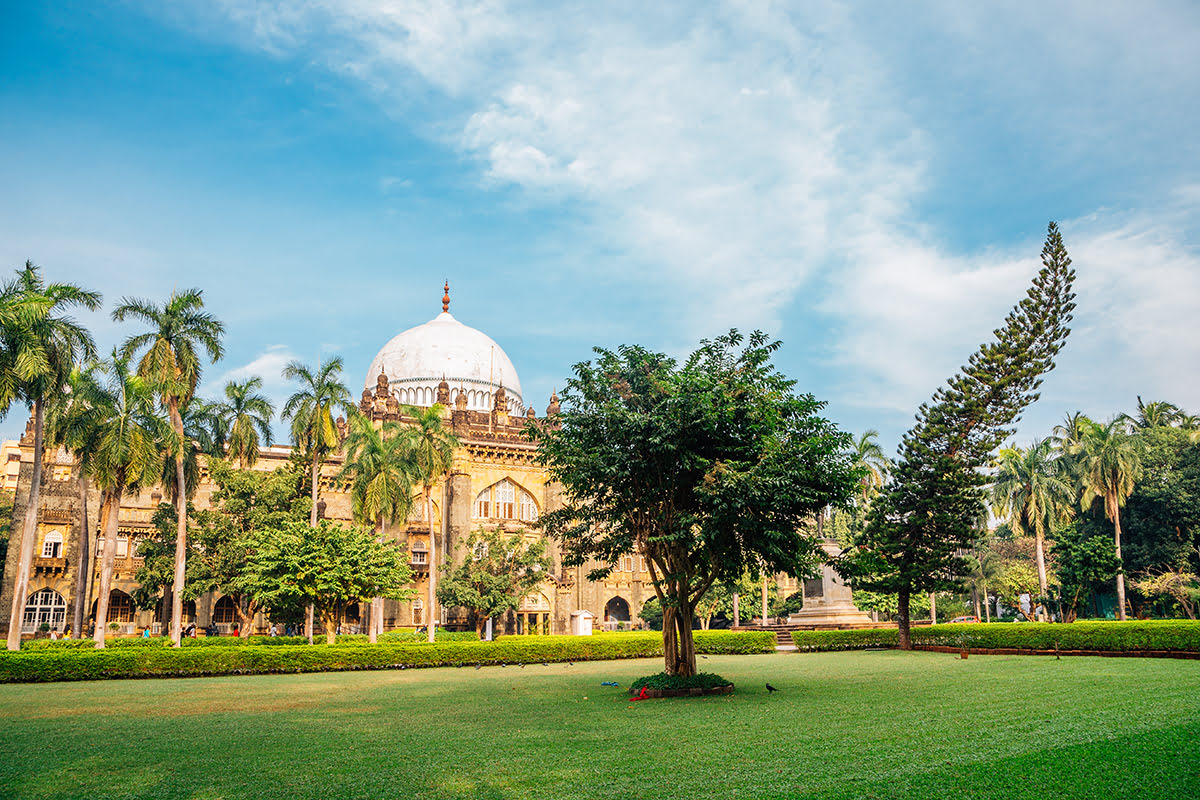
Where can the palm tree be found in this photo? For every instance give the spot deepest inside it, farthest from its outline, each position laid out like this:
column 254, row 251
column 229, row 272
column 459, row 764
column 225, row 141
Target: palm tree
column 314, row 431
column 172, row 367
column 380, row 471
column 432, row 453
column 1110, row 464
column 1030, row 494
column 75, row 422
column 126, row 457
column 1156, row 414
column 867, row 456
column 39, row 346
column 246, row 420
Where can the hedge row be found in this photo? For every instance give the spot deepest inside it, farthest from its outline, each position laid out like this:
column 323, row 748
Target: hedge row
column 73, row 664
column 252, row 641
column 1124, row 637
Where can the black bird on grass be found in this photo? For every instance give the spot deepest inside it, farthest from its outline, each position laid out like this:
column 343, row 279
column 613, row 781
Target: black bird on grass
column 771, row 689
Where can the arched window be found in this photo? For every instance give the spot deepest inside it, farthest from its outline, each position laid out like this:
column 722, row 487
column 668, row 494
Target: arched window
column 44, row 606
column 418, row 612
column 420, row 553
column 120, row 606
column 224, row 612
column 52, row 545
column 506, row 500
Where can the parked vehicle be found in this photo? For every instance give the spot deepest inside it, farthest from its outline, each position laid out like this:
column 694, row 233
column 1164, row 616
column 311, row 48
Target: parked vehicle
column 964, row 619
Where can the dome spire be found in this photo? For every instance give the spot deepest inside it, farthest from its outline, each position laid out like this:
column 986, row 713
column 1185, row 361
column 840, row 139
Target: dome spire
column 446, row 299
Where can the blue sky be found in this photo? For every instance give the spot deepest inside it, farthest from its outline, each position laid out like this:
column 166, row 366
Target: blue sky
column 868, row 183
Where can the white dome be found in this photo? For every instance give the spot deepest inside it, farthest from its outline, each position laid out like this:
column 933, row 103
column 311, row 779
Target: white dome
column 416, row 360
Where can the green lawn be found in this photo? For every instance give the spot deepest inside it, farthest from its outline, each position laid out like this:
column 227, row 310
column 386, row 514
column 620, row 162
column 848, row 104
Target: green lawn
column 864, row 724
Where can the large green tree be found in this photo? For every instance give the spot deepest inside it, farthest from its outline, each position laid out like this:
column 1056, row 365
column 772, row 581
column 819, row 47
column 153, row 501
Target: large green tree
column 329, row 566
column 244, row 504
column 1109, row 464
column 127, row 456
column 1031, row 493
column 492, row 573
column 179, row 329
column 928, row 515
column 313, row 430
column 431, row 452
column 379, row 468
column 39, row 346
column 709, row 469
column 245, row 416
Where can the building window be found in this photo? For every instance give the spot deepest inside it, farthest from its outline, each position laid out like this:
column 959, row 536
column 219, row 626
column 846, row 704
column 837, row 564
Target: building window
column 224, row 612
column 506, row 500
column 420, row 553
column 122, row 546
column 45, row 606
column 52, row 545
column 418, row 612
column 626, row 564
column 120, row 607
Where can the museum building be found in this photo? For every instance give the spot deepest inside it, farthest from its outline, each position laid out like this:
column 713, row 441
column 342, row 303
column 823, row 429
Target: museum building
column 495, row 481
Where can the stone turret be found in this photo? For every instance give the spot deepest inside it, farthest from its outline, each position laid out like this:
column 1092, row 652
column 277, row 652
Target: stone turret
column 553, row 409
column 443, row 392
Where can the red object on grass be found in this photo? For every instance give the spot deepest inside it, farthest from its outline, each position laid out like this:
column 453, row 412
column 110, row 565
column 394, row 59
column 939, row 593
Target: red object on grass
column 641, row 695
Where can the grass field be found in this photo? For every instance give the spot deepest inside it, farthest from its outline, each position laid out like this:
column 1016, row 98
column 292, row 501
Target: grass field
column 864, row 724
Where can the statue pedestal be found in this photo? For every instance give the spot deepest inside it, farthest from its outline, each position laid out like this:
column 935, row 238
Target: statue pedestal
column 829, row 603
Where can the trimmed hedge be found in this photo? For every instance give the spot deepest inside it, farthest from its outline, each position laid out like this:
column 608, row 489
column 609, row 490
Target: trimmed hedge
column 1121, row 637
column 252, row 641
column 74, row 663
column 663, row 681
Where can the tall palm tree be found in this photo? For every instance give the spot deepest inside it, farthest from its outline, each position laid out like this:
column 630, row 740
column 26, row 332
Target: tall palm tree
column 867, row 455
column 126, row 457
column 39, row 346
column 1110, row 464
column 76, row 423
column 1029, row 492
column 379, row 468
column 171, row 364
column 313, row 430
column 432, row 452
column 1156, row 414
column 246, row 420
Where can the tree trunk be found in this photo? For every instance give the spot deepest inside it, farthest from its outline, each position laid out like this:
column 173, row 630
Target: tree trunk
column 28, row 535
column 670, row 640
column 247, row 618
column 764, row 602
column 180, row 527
column 987, row 603
column 432, row 622
column 902, row 621
column 975, row 600
column 112, row 506
column 330, row 622
column 83, row 569
column 933, row 608
column 373, row 623
column 316, row 483
column 737, row 619
column 1041, row 566
column 308, row 622
column 1116, row 517
column 685, row 647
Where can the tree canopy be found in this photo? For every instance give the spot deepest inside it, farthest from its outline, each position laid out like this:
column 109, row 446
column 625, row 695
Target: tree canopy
column 707, row 468
column 494, row 571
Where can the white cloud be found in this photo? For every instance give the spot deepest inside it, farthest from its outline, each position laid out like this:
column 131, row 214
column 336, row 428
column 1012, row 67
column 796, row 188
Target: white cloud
column 267, row 365
column 734, row 159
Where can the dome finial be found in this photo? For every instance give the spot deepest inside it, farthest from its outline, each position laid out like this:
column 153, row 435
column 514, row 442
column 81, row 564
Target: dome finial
column 446, row 299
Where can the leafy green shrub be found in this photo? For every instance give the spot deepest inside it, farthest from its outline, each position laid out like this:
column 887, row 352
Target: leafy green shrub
column 75, row 663
column 661, row 680
column 252, row 641
column 1170, row 635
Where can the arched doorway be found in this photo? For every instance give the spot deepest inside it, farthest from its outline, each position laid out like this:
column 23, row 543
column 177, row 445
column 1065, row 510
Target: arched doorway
column 44, row 607
column 224, row 615
column 120, row 612
column 616, row 614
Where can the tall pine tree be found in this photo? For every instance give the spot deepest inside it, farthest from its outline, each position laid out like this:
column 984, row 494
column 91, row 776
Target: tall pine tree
column 929, row 512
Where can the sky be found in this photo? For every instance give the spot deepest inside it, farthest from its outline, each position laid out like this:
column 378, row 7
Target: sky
column 868, row 183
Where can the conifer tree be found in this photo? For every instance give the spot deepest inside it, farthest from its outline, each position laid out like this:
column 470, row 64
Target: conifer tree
column 927, row 516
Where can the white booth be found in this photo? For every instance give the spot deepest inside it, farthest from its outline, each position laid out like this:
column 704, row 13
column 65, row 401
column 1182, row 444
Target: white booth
column 581, row 623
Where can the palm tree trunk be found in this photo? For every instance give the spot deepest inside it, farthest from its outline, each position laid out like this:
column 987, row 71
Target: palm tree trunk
column 28, row 534
column 180, row 526
column 432, row 564
column 111, row 508
column 987, row 603
column 975, row 600
column 1116, row 518
column 312, row 522
column 1041, row 566
column 764, row 603
column 376, row 602
column 933, row 608
column 737, row 620
column 83, row 570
